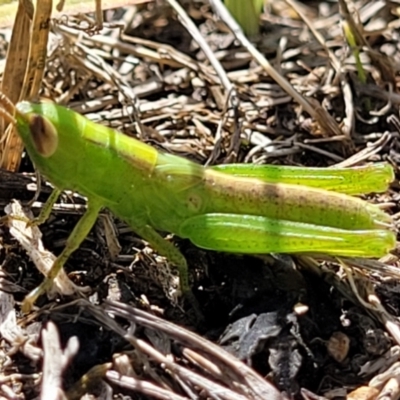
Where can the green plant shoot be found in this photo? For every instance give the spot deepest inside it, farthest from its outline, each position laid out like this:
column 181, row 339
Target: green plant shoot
column 232, row 208
column 247, row 14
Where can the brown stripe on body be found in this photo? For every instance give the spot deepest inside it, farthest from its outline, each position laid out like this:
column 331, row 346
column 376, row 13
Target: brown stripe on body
column 283, row 201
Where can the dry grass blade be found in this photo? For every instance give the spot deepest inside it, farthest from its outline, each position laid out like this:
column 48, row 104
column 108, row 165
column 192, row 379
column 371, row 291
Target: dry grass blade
column 11, row 85
column 146, row 388
column 37, row 49
column 383, row 63
column 67, row 7
column 17, row 55
column 239, row 378
column 191, row 27
column 230, row 91
column 28, row 59
column 349, row 121
column 327, row 123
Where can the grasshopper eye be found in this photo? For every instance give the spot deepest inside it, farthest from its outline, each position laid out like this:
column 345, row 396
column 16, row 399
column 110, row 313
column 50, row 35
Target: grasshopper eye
column 44, row 135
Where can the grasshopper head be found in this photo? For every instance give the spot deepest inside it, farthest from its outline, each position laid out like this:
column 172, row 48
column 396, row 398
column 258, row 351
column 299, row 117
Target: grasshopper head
column 51, row 135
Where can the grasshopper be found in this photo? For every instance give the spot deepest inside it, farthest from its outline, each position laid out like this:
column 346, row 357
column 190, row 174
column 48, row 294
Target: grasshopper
column 248, row 209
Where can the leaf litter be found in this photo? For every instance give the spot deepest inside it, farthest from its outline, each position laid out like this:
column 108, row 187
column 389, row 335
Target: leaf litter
column 276, row 326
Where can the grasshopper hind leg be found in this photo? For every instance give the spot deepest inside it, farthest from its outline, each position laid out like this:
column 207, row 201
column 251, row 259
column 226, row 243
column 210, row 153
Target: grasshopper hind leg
column 249, row 234
column 354, row 181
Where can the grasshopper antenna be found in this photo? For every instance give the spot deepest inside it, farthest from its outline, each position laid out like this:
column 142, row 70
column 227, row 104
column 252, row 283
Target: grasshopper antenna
column 7, row 109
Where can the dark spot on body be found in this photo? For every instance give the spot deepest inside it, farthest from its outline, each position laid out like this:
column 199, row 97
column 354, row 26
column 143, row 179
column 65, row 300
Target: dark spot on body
column 194, row 202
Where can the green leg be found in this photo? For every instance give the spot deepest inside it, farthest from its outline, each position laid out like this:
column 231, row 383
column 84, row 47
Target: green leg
column 168, row 250
column 46, row 210
column 81, row 230
column 357, row 180
column 248, row 234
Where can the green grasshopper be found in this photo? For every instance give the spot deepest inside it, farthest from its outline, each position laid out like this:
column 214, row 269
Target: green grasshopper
column 231, row 208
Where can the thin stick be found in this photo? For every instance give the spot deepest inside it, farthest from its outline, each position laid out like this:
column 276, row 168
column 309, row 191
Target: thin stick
column 7, row 117
column 7, row 104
